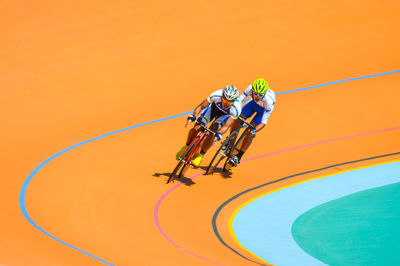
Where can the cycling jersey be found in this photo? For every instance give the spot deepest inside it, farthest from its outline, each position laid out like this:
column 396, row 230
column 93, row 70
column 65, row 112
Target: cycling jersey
column 215, row 109
column 234, row 110
column 263, row 107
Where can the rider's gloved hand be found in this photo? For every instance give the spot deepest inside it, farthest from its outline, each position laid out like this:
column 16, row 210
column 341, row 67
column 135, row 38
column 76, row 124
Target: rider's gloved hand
column 191, row 117
column 253, row 132
column 218, row 135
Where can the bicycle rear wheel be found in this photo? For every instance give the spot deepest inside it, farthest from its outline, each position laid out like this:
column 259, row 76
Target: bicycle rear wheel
column 222, row 152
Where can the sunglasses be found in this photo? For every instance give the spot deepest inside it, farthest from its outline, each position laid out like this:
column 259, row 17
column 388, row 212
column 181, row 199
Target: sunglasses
column 226, row 101
column 259, row 95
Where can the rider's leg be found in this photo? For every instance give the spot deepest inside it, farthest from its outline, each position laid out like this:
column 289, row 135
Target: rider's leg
column 192, row 134
column 237, row 123
column 207, row 143
column 204, row 118
column 220, row 118
column 246, row 142
column 248, row 110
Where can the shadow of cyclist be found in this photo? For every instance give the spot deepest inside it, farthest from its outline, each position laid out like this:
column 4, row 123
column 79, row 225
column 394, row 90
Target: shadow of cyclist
column 220, row 171
column 184, row 180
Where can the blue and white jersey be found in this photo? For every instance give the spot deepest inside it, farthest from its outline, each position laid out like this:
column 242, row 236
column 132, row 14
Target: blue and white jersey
column 234, row 110
column 267, row 102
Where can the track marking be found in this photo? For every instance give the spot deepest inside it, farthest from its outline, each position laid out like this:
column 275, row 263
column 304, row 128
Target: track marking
column 41, row 165
column 231, row 218
column 214, row 219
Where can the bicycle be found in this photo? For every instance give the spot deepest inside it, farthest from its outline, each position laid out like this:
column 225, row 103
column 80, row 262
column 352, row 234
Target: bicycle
column 228, row 147
column 185, row 159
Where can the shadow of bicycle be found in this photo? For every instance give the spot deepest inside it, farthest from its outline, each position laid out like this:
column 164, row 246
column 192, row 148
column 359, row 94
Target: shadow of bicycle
column 184, row 180
column 220, row 171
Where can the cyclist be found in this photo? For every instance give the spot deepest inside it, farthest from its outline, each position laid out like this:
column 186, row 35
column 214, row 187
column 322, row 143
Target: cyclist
column 224, row 106
column 262, row 103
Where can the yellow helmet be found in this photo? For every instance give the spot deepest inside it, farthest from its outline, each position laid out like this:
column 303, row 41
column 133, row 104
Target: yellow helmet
column 260, row 86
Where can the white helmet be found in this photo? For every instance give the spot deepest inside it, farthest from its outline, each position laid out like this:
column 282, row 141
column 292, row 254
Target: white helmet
column 230, row 93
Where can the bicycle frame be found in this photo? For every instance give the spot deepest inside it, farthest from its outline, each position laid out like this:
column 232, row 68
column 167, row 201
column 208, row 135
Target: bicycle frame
column 200, row 137
column 191, row 150
column 229, row 146
column 248, row 127
column 234, row 147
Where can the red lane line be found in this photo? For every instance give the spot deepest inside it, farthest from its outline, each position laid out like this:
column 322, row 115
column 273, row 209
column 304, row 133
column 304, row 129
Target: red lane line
column 156, row 220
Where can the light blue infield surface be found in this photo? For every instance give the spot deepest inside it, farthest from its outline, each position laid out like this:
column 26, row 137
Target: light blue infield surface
column 264, row 226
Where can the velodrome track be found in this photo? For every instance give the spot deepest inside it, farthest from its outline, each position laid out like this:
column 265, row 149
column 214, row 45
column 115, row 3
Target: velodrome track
column 94, row 97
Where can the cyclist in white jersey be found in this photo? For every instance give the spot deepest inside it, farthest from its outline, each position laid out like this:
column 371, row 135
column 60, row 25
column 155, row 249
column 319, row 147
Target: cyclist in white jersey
column 224, row 106
column 262, row 103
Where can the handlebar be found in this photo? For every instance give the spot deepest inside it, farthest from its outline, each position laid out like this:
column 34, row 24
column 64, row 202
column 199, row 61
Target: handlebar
column 247, row 123
column 205, row 128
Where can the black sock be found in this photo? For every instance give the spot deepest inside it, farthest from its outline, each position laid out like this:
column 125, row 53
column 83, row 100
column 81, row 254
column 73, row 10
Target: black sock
column 240, row 154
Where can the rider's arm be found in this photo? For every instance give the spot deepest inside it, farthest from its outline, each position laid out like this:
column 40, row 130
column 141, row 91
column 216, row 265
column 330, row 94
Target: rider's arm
column 245, row 93
column 260, row 126
column 197, row 111
column 227, row 125
column 206, row 103
column 236, row 123
column 200, row 107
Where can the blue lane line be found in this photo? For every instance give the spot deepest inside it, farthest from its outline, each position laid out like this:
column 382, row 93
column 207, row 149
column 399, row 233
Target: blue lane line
column 340, row 81
column 34, row 172
column 28, row 180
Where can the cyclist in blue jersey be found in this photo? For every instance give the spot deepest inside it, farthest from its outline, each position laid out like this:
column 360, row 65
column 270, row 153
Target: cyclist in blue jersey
column 262, row 103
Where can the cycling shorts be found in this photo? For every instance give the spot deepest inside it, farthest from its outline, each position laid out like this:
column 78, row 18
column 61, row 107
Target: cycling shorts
column 211, row 112
column 250, row 108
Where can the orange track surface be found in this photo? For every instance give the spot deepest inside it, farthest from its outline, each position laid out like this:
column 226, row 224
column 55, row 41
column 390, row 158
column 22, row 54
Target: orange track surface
column 73, row 70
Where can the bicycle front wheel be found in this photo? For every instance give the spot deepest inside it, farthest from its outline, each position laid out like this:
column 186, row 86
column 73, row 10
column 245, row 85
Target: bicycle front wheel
column 222, row 152
column 196, row 146
column 219, row 155
column 233, row 151
column 178, row 166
